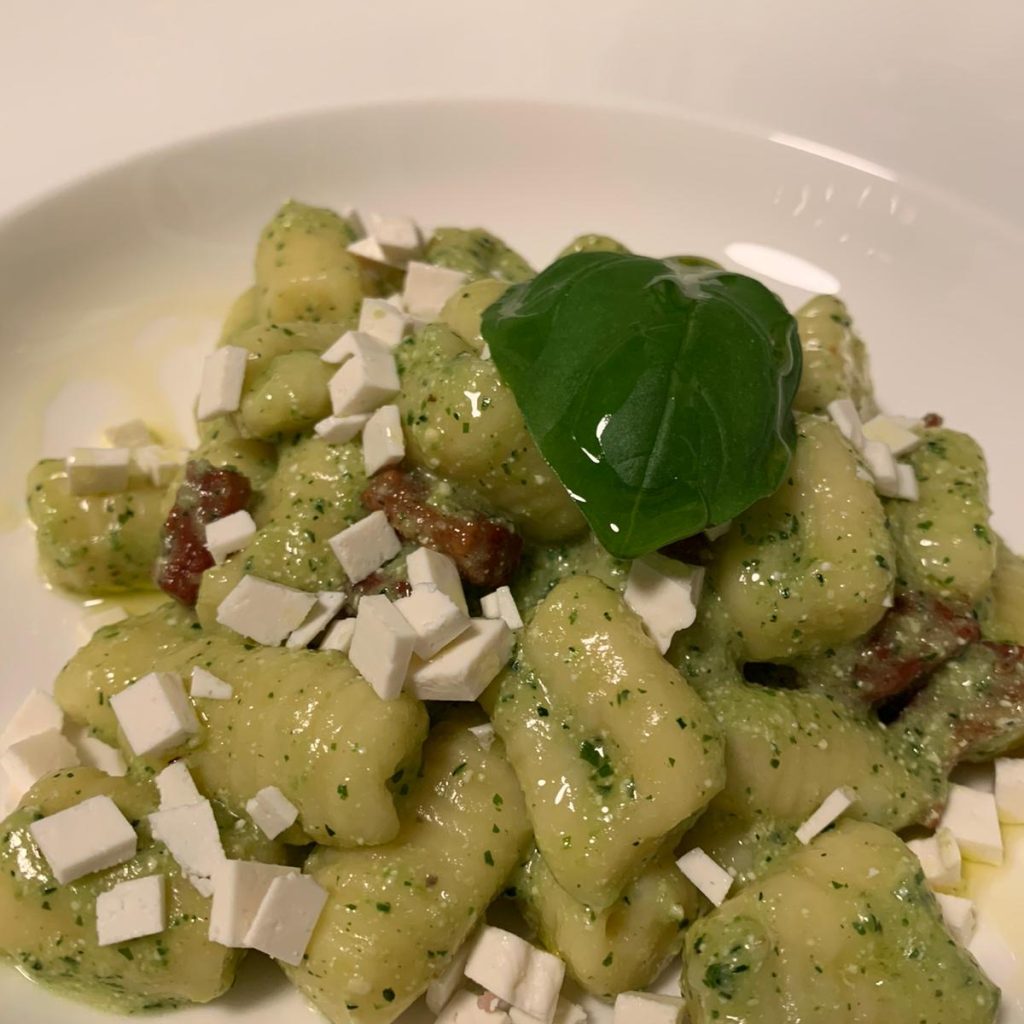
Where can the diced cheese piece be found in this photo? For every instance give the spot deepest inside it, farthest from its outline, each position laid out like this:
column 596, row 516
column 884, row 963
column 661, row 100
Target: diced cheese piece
column 524, row 976
column 959, row 917
column 1009, row 790
column 882, row 464
column 328, row 604
column 647, row 1008
column 98, row 470
column 382, row 645
column 37, row 713
column 352, row 345
column 383, row 440
column 9, row 797
column 272, row 811
column 462, row 670
column 383, row 321
column 501, row 605
column 87, row 837
column 838, row 801
column 906, row 483
column 427, row 567
column 229, row 534
column 997, row 958
column 370, row 249
column 35, row 757
column 484, row 735
column 566, row 1012
column 176, row 787
column 364, row 382
column 94, row 752
column 893, row 433
column 398, row 237
column 974, row 821
column 158, row 464
column 708, row 875
column 485, row 352
column 714, row 533
column 435, row 619
column 155, row 714
column 364, row 547
column 340, row 429
column 845, row 416
column 190, row 834
column 428, row 288
column 465, row 1008
column 442, row 988
column 131, row 910
column 133, row 434
column 97, row 618
column 286, row 918
column 339, row 636
column 664, row 593
column 207, row 686
column 940, row 859
column 239, row 887
column 263, row 611
column 220, row 390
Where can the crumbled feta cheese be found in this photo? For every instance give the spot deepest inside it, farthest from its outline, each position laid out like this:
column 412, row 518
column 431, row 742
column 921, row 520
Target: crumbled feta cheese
column 501, row 605
column 98, row 470
column 154, row 713
column 37, row 713
column 974, row 821
column 442, row 988
column 353, row 345
column 370, row 249
column 131, row 910
column 263, row 611
column 383, row 321
column 665, row 594
column 365, row 381
column 382, row 645
column 906, row 486
column 364, row 547
column 462, row 670
column 157, row 464
column 893, row 433
column 646, row 1008
column 959, row 917
column 239, row 887
column 435, row 619
column 272, row 811
column 339, row 636
column 1009, row 789
column 229, row 534
column 35, row 757
column 882, row 464
column 706, row 874
column 940, row 859
column 220, row 391
column 133, row 434
column 286, row 918
column 427, row 567
column 340, row 429
column 87, row 837
column 94, row 752
column 383, row 440
column 97, row 618
column 328, row 604
column 845, row 416
column 465, row 1008
column 838, row 801
column 484, row 735
column 485, row 352
column 428, row 288
column 176, row 787
column 207, row 686
column 190, row 834
column 398, row 237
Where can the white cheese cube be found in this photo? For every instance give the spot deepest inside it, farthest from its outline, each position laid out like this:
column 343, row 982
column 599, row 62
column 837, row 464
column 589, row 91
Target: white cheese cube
column 96, row 618
column 88, row 837
column 286, row 918
column 382, row 645
column 465, row 1008
column 566, row 1012
column 364, row 547
column 229, row 534
column 272, row 811
column 220, row 390
column 190, row 834
column 442, row 988
column 155, row 714
column 94, row 752
column 35, row 757
column 706, row 874
column 328, row 604
column 383, row 440
column 9, row 797
column 239, row 887
column 398, row 237
column 364, row 382
column 959, row 917
column 427, row 567
column 940, row 859
column 383, row 321
column 501, row 605
column 893, row 433
column 522, row 975
column 263, row 611
column 131, row 910
column 1009, row 789
column 485, row 352
column 339, row 636
column 462, row 670
column 882, row 464
column 176, row 787
column 845, row 416
column 484, row 735
column 664, row 593
column 37, row 713
column 207, row 686
column 157, row 464
column 974, row 821
column 370, row 249
column 435, row 619
column 352, row 345
column 98, row 470
column 646, row 1008
column 838, row 801
column 340, row 429
column 428, row 288
column 133, row 434
column 906, row 483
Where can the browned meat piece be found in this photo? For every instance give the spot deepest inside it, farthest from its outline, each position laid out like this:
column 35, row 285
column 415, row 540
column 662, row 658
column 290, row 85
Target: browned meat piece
column 486, row 551
column 206, row 494
column 932, row 419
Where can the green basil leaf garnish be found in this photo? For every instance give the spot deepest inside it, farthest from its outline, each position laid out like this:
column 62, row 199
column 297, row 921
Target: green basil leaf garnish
column 659, row 392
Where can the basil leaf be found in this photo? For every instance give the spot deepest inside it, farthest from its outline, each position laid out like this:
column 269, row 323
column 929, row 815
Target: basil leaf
column 660, row 393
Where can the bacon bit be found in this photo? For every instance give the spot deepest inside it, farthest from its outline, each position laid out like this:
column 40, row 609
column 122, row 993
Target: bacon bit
column 207, row 493
column 486, row 551
column 932, row 419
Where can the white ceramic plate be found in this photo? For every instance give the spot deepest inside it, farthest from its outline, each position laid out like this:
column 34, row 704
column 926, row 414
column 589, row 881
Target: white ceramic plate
column 110, row 290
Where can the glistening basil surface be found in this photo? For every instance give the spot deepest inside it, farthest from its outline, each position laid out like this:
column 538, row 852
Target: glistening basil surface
column 659, row 393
